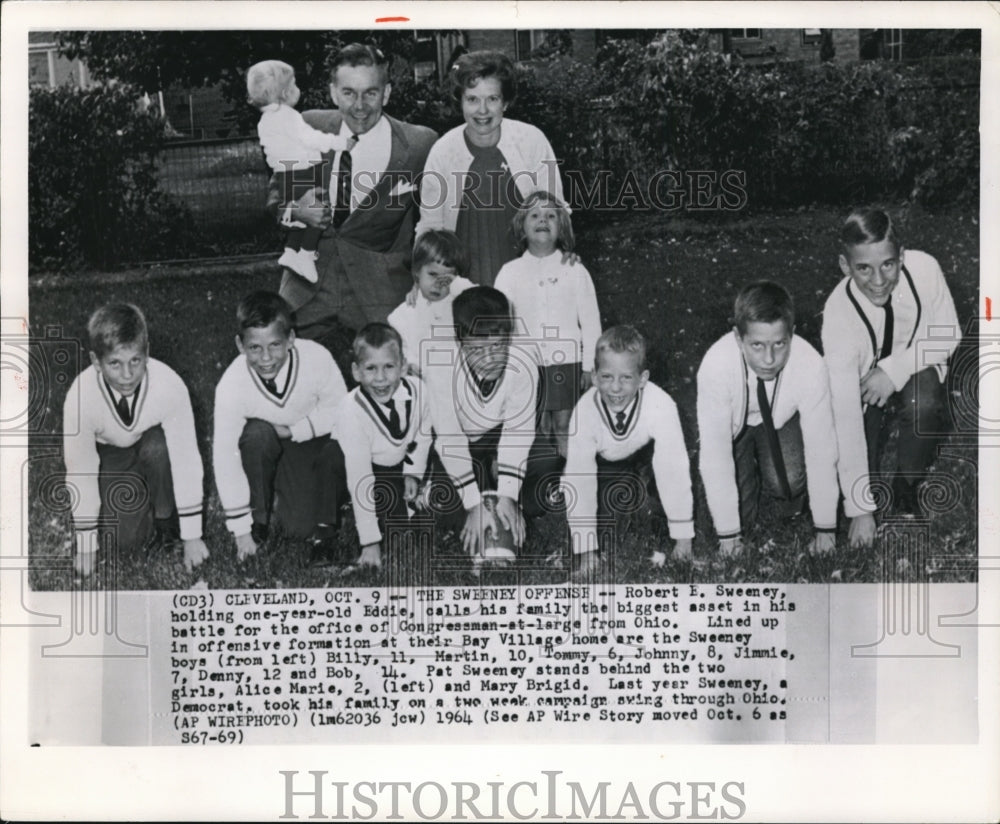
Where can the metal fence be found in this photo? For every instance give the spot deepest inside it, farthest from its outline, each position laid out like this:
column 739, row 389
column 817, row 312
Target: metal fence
column 223, row 183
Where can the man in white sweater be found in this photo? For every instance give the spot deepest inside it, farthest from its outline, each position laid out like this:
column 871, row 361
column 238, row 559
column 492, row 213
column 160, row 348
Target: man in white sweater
column 275, row 412
column 764, row 420
column 129, row 444
column 889, row 328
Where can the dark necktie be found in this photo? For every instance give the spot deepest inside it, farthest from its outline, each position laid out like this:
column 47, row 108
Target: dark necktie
column 342, row 207
column 889, row 329
column 772, row 439
column 272, row 387
column 394, row 428
column 486, row 387
column 124, row 410
column 620, row 423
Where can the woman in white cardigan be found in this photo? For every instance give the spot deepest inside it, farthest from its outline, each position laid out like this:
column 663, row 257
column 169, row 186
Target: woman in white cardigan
column 478, row 173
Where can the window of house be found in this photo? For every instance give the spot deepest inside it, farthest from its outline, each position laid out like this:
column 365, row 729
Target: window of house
column 526, row 41
column 745, row 34
column 892, row 44
column 39, row 68
column 811, row 37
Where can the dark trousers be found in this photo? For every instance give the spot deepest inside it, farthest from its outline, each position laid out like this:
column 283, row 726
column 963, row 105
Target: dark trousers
column 394, row 518
column 303, row 480
column 541, row 473
column 756, row 472
column 136, row 486
column 918, row 411
column 623, row 487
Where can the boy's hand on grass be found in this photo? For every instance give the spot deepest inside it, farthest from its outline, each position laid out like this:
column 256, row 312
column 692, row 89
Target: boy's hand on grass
column 245, row 547
column 822, row 543
column 586, row 381
column 472, row 529
column 411, row 488
column 682, row 549
column 411, row 296
column 728, row 547
column 510, row 517
column 876, row 387
column 85, row 542
column 195, row 552
column 658, row 558
column 371, row 555
column 861, row 532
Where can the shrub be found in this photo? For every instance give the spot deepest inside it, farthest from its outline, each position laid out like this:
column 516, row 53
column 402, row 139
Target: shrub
column 93, row 194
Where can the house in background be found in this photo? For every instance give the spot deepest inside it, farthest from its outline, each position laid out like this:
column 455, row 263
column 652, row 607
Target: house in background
column 204, row 113
column 47, row 66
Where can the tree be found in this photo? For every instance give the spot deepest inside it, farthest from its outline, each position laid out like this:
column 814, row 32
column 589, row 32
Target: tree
column 156, row 60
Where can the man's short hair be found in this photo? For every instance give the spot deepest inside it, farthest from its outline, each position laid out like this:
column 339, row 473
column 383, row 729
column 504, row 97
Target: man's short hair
column 262, row 308
column 622, row 339
column 763, row 301
column 117, row 324
column 476, row 65
column 374, row 336
column 482, row 312
column 443, row 247
column 360, row 54
column 868, row 225
column 267, row 82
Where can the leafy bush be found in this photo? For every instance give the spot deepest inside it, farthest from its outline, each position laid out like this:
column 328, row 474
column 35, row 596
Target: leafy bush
column 93, row 193
column 835, row 133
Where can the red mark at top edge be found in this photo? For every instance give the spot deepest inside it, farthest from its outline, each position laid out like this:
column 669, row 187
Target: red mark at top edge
column 392, row 19
column 989, row 309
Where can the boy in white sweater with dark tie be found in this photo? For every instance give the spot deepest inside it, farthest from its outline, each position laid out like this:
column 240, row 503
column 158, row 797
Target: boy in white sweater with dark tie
column 765, row 421
column 129, row 444
column 275, row 413
column 384, row 430
column 889, row 328
column 621, row 426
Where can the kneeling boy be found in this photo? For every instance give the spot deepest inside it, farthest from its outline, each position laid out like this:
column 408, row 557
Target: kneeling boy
column 483, row 396
column 275, row 410
column 873, row 323
column 385, row 432
column 127, row 419
column 764, row 419
column 620, row 426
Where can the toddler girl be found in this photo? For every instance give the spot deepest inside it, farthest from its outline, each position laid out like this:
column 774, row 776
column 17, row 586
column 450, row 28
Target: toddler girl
column 556, row 306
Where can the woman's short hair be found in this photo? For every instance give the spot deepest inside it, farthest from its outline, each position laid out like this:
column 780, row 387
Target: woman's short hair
column 117, row 324
column 443, row 247
column 268, row 82
column 476, row 65
column 763, row 301
column 868, row 225
column 538, row 197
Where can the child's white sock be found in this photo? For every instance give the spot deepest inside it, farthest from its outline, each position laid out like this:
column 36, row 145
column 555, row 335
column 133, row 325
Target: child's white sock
column 300, row 261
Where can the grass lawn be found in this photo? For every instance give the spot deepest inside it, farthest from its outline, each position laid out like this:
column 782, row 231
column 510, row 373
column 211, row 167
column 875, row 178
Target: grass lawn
column 674, row 279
